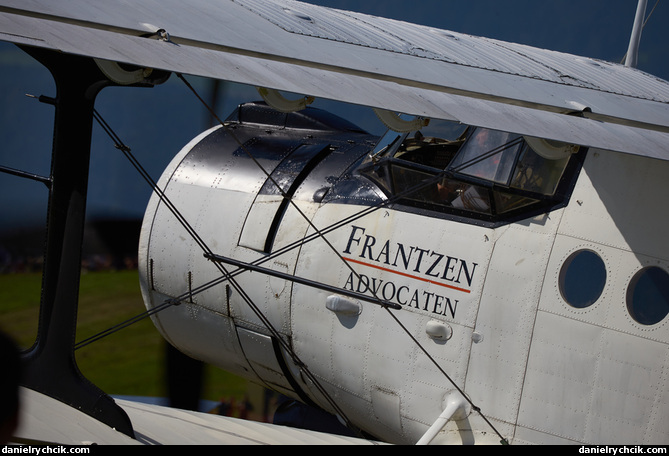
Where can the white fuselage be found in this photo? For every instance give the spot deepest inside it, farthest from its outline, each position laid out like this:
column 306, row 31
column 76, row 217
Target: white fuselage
column 489, row 304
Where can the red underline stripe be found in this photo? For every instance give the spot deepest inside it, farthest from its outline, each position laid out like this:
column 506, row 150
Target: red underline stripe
column 464, row 290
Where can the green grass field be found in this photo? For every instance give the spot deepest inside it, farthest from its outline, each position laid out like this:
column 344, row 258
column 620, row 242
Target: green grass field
column 128, row 362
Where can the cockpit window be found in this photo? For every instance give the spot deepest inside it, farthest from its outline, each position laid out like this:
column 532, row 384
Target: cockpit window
column 535, row 173
column 484, row 173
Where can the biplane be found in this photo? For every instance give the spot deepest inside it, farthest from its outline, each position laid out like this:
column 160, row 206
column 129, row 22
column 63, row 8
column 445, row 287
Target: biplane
column 492, row 269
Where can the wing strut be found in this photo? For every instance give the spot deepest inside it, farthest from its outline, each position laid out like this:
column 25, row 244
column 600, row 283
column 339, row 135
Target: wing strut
column 49, row 365
column 456, row 408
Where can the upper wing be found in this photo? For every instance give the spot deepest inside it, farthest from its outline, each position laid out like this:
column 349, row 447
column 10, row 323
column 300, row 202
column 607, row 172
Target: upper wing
column 364, row 60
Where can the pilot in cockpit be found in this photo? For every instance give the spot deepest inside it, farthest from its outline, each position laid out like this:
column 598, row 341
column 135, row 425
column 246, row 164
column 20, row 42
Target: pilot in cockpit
column 430, row 151
column 439, row 153
column 463, row 196
column 485, row 168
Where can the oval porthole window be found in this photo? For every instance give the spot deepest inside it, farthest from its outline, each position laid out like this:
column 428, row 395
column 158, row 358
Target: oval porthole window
column 648, row 296
column 582, row 278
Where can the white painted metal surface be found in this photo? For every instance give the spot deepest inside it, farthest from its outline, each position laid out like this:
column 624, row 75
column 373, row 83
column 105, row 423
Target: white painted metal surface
column 592, row 364
column 352, row 57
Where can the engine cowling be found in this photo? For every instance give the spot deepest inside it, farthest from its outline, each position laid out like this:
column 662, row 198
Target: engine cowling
column 221, row 196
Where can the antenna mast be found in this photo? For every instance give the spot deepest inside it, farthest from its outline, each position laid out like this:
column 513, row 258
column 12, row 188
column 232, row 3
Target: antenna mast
column 633, row 48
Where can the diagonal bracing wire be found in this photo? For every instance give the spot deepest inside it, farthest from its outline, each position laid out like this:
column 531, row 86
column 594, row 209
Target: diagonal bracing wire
column 165, row 200
column 261, row 260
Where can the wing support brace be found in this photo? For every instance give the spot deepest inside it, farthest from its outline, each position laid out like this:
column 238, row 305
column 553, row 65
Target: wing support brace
column 456, row 408
column 396, row 123
column 49, row 366
column 282, row 104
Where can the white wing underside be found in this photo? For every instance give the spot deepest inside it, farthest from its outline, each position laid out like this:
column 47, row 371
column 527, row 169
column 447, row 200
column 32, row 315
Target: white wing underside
column 46, row 420
column 365, row 60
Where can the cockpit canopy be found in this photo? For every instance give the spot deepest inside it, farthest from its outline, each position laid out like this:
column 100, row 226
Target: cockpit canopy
column 478, row 173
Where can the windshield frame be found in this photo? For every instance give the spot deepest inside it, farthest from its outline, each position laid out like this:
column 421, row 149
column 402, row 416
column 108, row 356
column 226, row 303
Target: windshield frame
column 506, row 202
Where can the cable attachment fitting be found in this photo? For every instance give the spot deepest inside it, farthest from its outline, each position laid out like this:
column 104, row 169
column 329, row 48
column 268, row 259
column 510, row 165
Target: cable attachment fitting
column 156, row 32
column 43, row 99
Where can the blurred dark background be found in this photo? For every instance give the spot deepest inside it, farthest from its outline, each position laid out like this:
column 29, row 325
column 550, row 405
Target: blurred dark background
column 155, row 123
